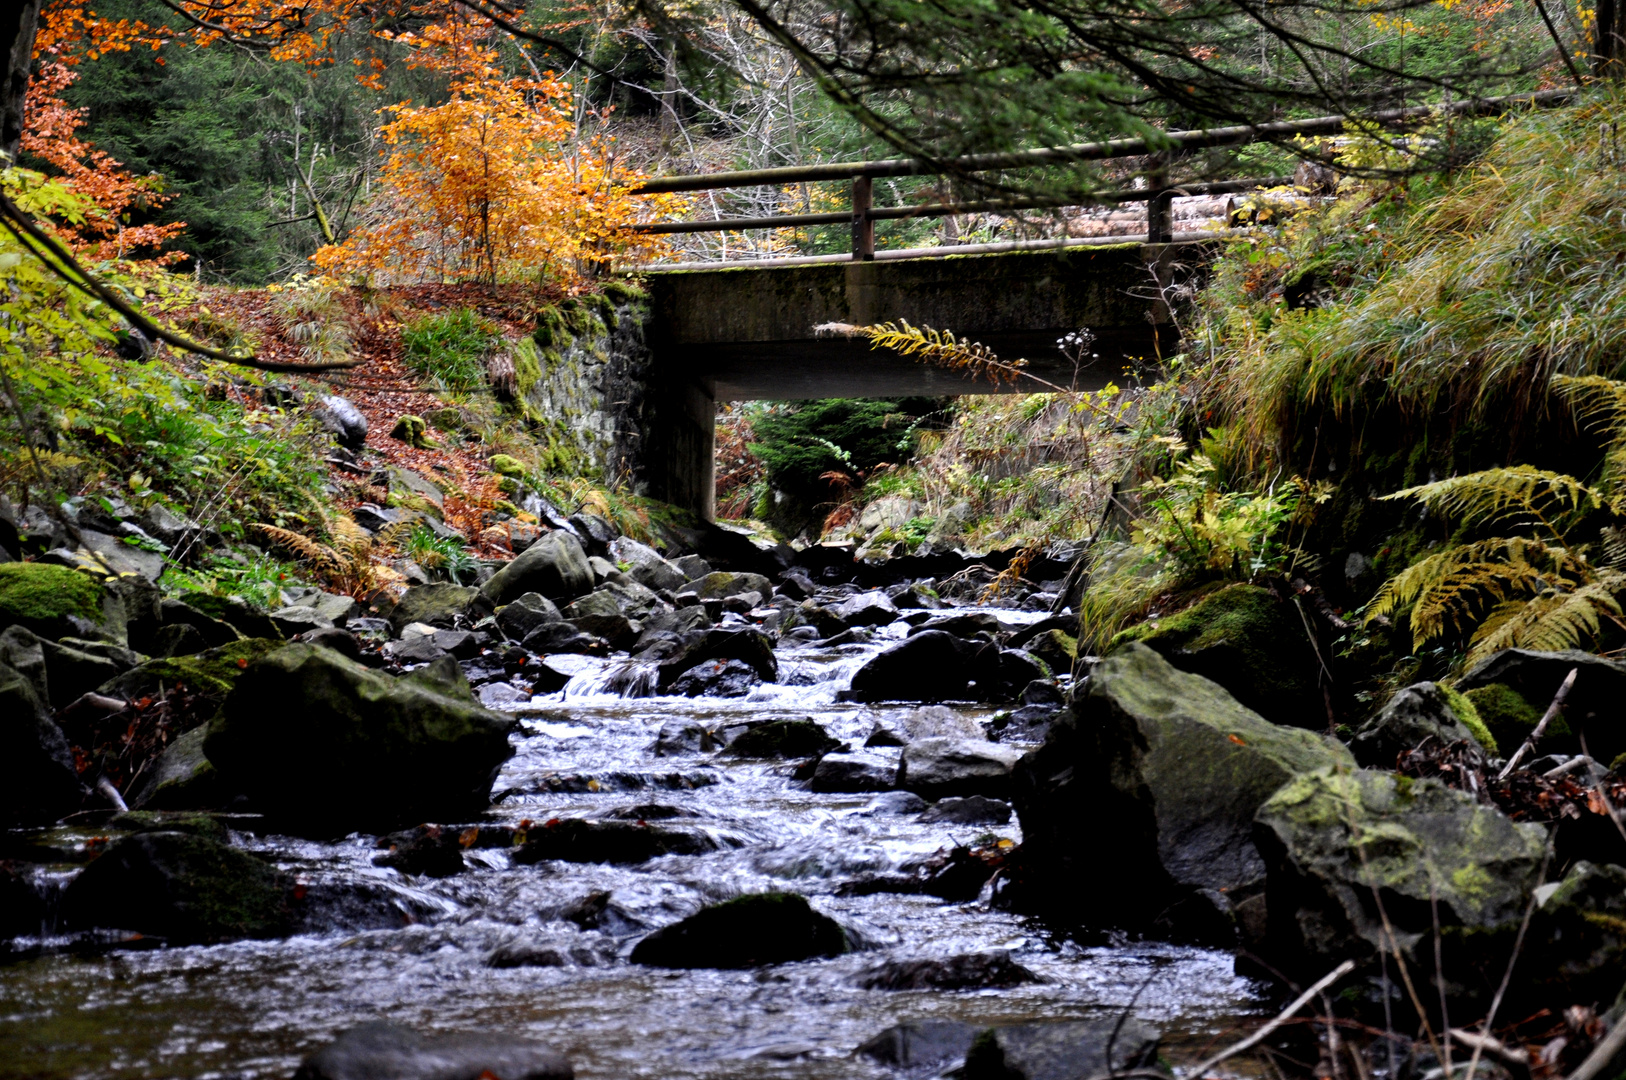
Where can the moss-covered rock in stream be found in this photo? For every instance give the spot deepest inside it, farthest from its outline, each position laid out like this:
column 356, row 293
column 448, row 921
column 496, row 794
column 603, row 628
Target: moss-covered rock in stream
column 1249, row 642
column 766, row 928
column 1156, row 773
column 1335, row 839
column 180, row 886
column 326, row 745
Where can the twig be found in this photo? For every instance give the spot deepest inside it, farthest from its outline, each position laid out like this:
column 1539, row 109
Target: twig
column 1602, row 1054
column 1541, row 729
column 1439, row 975
column 1603, row 796
column 1309, row 995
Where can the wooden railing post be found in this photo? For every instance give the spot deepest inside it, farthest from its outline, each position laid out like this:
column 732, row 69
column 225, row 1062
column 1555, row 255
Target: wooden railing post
column 863, row 224
column 1160, row 207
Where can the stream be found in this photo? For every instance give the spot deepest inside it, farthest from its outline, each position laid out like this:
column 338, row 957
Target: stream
column 255, row 1008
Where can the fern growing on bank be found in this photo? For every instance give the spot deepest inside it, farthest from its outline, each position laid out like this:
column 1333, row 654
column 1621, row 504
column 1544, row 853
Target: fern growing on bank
column 1538, row 591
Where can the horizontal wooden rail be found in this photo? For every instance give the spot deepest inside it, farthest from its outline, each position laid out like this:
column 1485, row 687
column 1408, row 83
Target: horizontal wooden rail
column 1200, row 139
column 1158, row 193
column 931, row 210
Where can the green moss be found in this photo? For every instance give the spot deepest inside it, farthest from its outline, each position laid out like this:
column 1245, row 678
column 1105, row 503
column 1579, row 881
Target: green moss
column 42, row 597
column 212, row 672
column 505, row 465
column 1470, row 719
column 1507, row 716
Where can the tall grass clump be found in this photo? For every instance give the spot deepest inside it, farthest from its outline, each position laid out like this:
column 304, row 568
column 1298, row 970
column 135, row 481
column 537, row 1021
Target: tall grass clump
column 450, row 350
column 1499, row 279
column 309, row 311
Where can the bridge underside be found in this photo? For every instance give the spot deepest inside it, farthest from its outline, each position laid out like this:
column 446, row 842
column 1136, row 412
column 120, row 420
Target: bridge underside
column 747, row 334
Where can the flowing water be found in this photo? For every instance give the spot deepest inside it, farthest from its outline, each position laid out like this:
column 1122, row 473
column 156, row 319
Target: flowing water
column 254, row 1008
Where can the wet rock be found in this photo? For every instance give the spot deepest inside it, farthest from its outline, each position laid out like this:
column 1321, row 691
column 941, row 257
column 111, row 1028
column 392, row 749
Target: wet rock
column 214, row 632
column 1055, row 647
column 527, row 612
column 497, row 694
column 1010, row 673
column 684, row 737
column 866, row 609
column 599, row 613
column 721, row 584
column 344, row 421
column 916, row 596
column 852, row 773
column 619, row 842
column 181, row 778
column 59, row 672
column 1177, row 767
column 340, row 641
column 291, row 621
column 326, row 907
column 22, row 909
column 440, row 605
column 784, row 738
column 1316, row 838
column 1252, row 644
column 962, row 624
column 38, row 781
column 245, row 618
column 693, row 567
column 937, row 768
column 1592, row 708
column 555, row 566
column 932, row 721
column 967, row 971
column 1029, row 724
column 430, row 851
column 716, row 678
column 324, row 743
column 1065, row 1050
column 515, row 954
column 929, row 666
column 895, row 804
column 1578, row 936
column 645, row 565
column 382, row 1051
column 920, row 1044
column 180, row 886
column 1416, row 713
column 748, row 645
column 768, row 928
column 650, row 812
column 563, row 637
column 971, row 810
column 599, row 911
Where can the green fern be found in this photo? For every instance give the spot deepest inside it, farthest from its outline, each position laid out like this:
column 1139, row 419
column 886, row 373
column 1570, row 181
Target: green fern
column 1511, row 591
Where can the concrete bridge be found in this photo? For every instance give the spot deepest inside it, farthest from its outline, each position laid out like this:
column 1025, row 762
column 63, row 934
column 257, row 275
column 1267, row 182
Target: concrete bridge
column 747, row 333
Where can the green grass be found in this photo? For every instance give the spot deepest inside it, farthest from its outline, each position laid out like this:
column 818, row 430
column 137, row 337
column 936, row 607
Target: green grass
column 449, row 350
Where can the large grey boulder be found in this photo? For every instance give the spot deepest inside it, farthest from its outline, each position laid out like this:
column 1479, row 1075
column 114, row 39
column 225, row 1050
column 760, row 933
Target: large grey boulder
column 383, row 1051
column 938, row 768
column 327, row 745
column 438, row 605
column 866, row 609
column 180, row 886
column 346, row 422
column 765, row 928
column 721, row 584
column 38, row 781
column 748, row 645
column 1335, row 838
column 527, row 612
column 181, row 778
column 1156, row 773
column 555, row 566
column 932, row 666
column 645, row 565
column 852, row 773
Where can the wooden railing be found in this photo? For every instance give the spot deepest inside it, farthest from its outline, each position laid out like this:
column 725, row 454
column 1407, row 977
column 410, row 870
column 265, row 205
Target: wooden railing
column 1158, row 194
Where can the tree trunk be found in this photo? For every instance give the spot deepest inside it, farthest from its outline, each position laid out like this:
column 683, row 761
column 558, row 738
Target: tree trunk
column 1609, row 40
column 18, row 21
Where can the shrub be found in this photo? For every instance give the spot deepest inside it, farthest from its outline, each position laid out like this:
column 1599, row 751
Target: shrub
column 450, row 349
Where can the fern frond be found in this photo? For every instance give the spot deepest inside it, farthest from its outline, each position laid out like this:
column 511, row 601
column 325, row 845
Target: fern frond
column 301, row 546
column 1552, row 499
column 1602, row 402
column 941, row 348
column 1549, row 622
column 1449, row 589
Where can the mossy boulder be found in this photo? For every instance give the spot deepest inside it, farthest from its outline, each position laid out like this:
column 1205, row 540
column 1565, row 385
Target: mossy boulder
column 1156, row 773
column 1579, row 934
column 248, row 620
column 1335, row 839
column 181, row 886
column 440, row 604
column 1249, row 642
column 180, row 778
column 1418, row 712
column 52, row 601
column 784, row 738
column 766, row 928
column 414, row 431
column 1592, row 710
column 212, row 673
column 327, row 745
column 507, row 465
column 555, row 566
